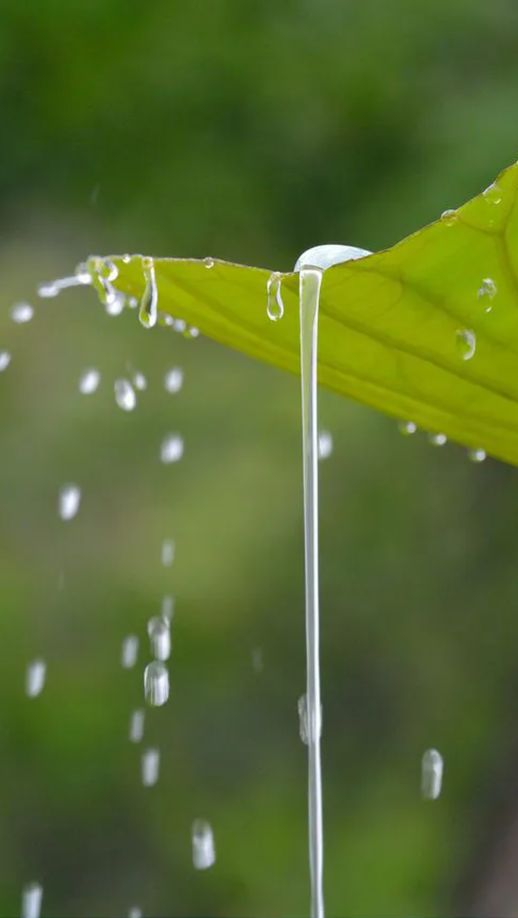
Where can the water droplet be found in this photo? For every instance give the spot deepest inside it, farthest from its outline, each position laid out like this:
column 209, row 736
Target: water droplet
column 126, row 259
column 32, row 896
column 191, row 332
column 302, row 708
column 148, row 311
column 476, row 455
column 156, row 683
column 5, row 360
column 129, row 651
column 493, row 194
column 114, row 302
column 325, row 256
column 136, row 730
column 171, row 449
column 257, row 659
column 107, row 269
column 208, row 262
column 486, row 292
column 22, row 313
column 431, row 774
column 35, row 678
column 159, row 637
column 167, row 608
column 274, row 302
column 407, row 428
column 167, row 552
column 69, row 500
column 89, row 381
column 150, row 764
column 325, row 444
column 203, row 848
column 449, row 217
column 180, row 326
column 124, row 394
column 466, row 342
column 173, row 380
column 135, row 912
column 139, row 381
column 437, row 439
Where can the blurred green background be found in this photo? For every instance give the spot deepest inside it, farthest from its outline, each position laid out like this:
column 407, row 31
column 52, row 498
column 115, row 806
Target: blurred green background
column 247, row 131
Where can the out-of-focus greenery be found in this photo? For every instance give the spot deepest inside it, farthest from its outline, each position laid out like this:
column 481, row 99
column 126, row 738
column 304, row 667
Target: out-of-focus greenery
column 249, row 131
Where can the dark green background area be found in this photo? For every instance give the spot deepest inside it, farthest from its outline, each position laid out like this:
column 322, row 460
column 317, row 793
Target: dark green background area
column 248, row 131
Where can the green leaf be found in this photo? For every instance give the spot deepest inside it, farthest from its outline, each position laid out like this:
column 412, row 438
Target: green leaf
column 426, row 331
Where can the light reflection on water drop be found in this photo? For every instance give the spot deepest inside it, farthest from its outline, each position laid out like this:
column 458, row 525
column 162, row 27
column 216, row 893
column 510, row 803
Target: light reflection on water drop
column 466, row 342
column 159, row 637
column 156, row 683
column 69, row 500
column 22, row 313
column 89, row 381
column 476, row 455
column 137, row 721
column 173, row 380
column 32, row 896
column 171, row 449
column 493, row 194
column 35, row 678
column 124, row 394
column 437, row 439
column 150, row 767
column 407, row 428
column 274, row 301
column 432, row 767
column 203, row 848
column 129, row 651
column 449, row 217
column 208, row 262
column 5, row 360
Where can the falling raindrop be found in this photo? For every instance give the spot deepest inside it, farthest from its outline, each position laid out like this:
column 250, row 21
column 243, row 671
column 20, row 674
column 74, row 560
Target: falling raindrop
column 156, row 683
column 150, row 765
column 449, row 217
column 89, row 381
column 167, row 552
column 35, row 678
column 22, row 313
column 136, row 730
column 407, row 428
column 432, row 767
column 257, row 659
column 203, row 849
column 466, row 342
column 114, row 302
column 69, row 500
column 159, row 633
column 173, row 380
column 171, row 449
column 325, row 444
column 486, row 292
column 129, row 652
column 437, row 439
column 274, row 302
column 167, row 608
column 476, row 455
column 148, row 311
column 124, row 394
column 32, row 896
column 139, row 381
column 5, row 360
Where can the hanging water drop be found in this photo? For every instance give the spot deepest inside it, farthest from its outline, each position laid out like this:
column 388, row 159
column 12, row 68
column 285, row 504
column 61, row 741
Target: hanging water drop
column 171, row 449
column 167, row 552
column 114, row 303
column 129, row 651
column 156, row 683
column 150, row 766
column 493, row 194
column 173, row 380
column 432, row 767
column 274, row 301
column 32, row 896
column 466, row 342
column 203, row 848
column 449, row 217
column 5, row 360
column 208, row 262
column 69, row 500
column 159, row 637
column 325, row 444
column 21, row 313
column 124, row 394
column 136, row 730
column 407, row 428
column 326, row 256
column 486, row 292
column 476, row 455
column 148, row 311
column 126, row 259
column 437, row 439
column 35, row 678
column 89, row 381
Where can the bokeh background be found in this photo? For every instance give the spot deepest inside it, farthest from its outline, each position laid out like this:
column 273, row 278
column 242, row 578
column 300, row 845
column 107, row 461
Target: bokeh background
column 248, row 131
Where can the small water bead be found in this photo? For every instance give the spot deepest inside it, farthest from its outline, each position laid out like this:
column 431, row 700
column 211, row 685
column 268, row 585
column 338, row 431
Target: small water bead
column 171, row 449
column 5, row 360
column 304, row 725
column 407, row 428
column 35, row 678
column 203, row 848
column 437, row 439
column 150, row 767
column 32, row 896
column 191, row 332
column 208, row 262
column 167, row 608
column 156, row 683
column 173, row 380
column 466, row 342
column 21, row 313
column 167, row 552
column 476, row 455
column 114, row 303
column 486, row 292
column 325, row 444
column 159, row 633
column 126, row 259
column 274, row 301
column 493, row 194
column 148, row 310
column 139, row 381
column 137, row 721
column 89, row 381
column 124, row 394
column 432, row 767
column 129, row 651
column 69, row 500
column 449, row 217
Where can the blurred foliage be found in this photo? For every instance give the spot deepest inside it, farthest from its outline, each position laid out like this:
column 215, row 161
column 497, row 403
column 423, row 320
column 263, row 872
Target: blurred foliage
column 196, row 129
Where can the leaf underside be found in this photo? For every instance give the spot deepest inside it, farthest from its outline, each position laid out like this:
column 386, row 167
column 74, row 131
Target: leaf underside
column 389, row 323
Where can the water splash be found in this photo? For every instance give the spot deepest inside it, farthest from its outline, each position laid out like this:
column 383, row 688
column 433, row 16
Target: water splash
column 203, row 848
column 148, row 309
column 35, row 678
column 32, row 896
column 432, row 767
column 81, row 277
column 69, row 500
column 129, row 651
column 156, row 683
column 407, row 428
